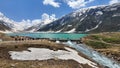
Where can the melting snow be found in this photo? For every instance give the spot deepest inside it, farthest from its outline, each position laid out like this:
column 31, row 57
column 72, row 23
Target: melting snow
column 45, row 54
column 69, row 25
column 72, row 30
column 110, row 9
column 57, row 41
column 87, row 30
column 59, row 30
column 99, row 13
column 116, row 15
column 94, row 55
column 83, row 18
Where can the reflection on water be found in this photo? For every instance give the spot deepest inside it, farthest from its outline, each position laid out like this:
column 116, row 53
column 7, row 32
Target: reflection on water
column 94, row 55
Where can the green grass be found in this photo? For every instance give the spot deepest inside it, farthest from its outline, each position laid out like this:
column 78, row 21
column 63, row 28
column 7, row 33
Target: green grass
column 95, row 37
column 108, row 38
column 112, row 40
column 107, row 43
column 97, row 45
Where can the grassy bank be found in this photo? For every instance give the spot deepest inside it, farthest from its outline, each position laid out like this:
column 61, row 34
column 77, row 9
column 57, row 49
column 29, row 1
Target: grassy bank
column 105, row 43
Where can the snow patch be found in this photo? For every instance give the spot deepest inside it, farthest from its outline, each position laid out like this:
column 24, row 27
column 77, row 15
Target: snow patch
column 99, row 13
column 6, row 31
column 72, row 30
column 110, row 9
column 87, row 30
column 69, row 25
column 83, row 18
column 57, row 41
column 59, row 31
column 45, row 54
column 74, row 14
column 116, row 15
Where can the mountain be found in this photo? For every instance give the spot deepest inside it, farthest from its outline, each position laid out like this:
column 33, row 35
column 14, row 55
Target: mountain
column 3, row 26
column 92, row 19
column 42, row 23
column 85, row 20
column 9, row 25
column 6, row 25
column 36, row 27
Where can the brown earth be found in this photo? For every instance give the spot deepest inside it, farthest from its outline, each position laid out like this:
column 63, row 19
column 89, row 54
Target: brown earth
column 7, row 62
column 4, row 37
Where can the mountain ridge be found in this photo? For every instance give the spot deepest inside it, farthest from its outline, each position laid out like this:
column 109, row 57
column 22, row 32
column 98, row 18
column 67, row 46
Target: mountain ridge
column 104, row 18
column 88, row 20
column 9, row 25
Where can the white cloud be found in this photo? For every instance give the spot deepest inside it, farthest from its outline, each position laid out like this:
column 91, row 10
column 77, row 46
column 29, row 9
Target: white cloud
column 53, row 17
column 45, row 16
column 23, row 24
column 52, row 3
column 48, row 18
column 75, row 4
column 36, row 21
column 113, row 1
column 45, row 19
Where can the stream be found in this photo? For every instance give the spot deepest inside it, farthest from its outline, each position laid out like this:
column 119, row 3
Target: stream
column 108, row 63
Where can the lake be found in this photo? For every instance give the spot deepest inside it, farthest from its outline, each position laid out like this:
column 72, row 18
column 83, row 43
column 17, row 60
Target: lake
column 60, row 36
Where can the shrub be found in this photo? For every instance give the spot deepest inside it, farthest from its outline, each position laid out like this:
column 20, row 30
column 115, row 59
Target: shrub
column 95, row 37
column 112, row 40
column 97, row 45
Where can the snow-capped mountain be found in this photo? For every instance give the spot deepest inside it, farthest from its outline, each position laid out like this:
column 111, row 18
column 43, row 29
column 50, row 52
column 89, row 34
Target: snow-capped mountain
column 6, row 24
column 92, row 19
column 46, row 19
column 9, row 25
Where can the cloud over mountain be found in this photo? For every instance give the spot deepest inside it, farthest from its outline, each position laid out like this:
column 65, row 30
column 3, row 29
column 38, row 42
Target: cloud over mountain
column 24, row 24
column 45, row 19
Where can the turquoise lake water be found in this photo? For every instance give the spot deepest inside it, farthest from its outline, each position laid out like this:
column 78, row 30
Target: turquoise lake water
column 61, row 36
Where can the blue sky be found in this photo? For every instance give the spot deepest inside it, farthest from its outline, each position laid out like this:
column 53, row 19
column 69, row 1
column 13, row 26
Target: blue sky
column 33, row 9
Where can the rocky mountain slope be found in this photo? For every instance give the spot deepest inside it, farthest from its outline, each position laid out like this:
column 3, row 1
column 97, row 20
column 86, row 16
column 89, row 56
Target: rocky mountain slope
column 92, row 19
column 3, row 27
column 85, row 20
column 5, row 23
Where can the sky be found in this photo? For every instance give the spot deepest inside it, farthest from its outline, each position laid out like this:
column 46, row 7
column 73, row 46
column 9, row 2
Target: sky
column 19, row 10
